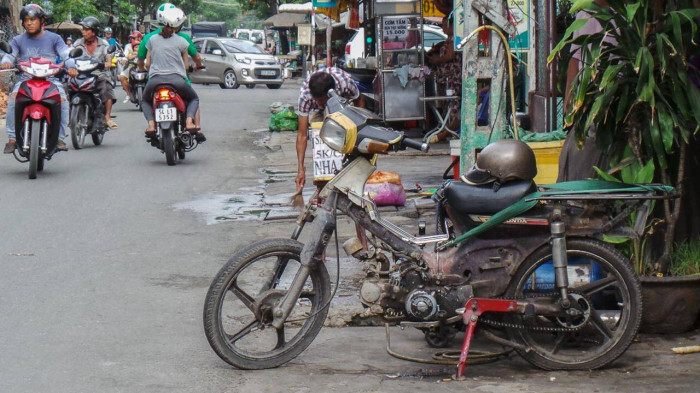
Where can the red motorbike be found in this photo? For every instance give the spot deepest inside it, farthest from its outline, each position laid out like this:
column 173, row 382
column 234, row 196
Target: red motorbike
column 171, row 136
column 38, row 110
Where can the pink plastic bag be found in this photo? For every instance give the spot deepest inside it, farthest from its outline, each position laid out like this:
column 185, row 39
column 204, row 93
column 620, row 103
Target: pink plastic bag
column 386, row 194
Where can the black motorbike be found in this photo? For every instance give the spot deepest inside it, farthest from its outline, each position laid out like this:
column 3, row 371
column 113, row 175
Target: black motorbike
column 137, row 82
column 87, row 111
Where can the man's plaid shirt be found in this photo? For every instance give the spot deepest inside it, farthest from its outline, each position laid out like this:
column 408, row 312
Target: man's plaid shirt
column 344, row 86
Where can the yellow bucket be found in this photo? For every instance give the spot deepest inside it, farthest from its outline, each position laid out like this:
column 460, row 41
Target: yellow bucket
column 547, row 156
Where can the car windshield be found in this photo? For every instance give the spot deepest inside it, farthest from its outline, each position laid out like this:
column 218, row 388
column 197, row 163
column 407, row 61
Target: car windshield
column 242, row 47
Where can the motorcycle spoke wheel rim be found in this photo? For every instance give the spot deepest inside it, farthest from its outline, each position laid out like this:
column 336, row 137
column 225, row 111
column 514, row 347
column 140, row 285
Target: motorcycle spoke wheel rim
column 245, row 311
column 610, row 301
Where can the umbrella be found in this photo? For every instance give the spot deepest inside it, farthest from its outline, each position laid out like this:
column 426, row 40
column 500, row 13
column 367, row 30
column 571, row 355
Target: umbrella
column 64, row 27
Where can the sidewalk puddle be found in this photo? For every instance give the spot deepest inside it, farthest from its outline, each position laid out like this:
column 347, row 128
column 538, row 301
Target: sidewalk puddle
column 250, row 203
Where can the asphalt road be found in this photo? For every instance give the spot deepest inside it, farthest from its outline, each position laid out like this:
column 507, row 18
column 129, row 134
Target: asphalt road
column 103, row 279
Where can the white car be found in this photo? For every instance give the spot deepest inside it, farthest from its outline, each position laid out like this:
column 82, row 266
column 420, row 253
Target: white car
column 355, row 48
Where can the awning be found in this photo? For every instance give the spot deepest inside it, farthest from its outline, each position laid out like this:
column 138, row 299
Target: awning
column 285, row 20
column 64, row 27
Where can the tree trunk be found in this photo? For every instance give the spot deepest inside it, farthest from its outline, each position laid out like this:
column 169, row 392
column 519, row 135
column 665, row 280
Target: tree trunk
column 672, row 215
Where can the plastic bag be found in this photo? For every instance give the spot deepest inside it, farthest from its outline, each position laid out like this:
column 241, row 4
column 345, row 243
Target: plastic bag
column 286, row 120
column 277, row 107
column 386, row 194
column 384, row 176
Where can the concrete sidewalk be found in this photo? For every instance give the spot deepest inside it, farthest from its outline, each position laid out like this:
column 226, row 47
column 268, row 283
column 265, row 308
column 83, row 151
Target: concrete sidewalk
column 355, row 360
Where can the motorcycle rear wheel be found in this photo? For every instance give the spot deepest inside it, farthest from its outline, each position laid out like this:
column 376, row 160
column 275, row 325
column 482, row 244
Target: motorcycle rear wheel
column 613, row 295
column 168, row 146
column 34, row 154
column 238, row 306
column 78, row 122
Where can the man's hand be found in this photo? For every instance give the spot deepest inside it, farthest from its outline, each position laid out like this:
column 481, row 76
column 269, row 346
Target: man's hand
column 5, row 66
column 72, row 72
column 108, row 65
column 301, row 179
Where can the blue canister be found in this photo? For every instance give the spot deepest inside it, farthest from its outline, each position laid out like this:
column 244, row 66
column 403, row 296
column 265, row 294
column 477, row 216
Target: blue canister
column 580, row 271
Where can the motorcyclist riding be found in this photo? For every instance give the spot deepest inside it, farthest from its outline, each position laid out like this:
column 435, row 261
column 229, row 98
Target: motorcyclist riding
column 35, row 42
column 191, row 50
column 130, row 51
column 168, row 59
column 96, row 48
column 108, row 36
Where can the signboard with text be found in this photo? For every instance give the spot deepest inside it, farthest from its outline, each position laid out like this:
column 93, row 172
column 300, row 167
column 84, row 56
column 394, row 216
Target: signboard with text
column 519, row 16
column 304, row 34
column 326, row 160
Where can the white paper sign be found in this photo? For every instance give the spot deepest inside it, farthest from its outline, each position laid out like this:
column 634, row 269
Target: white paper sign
column 326, row 160
column 395, row 29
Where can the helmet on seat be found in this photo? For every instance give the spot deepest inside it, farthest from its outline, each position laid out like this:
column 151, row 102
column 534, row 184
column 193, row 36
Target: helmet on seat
column 502, row 161
column 91, row 23
column 173, row 17
column 161, row 9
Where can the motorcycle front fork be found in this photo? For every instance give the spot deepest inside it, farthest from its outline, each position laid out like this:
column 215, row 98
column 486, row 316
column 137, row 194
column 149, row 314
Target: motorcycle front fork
column 44, row 132
column 321, row 231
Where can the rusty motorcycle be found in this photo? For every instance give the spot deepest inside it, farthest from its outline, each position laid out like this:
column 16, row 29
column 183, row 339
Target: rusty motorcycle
column 526, row 262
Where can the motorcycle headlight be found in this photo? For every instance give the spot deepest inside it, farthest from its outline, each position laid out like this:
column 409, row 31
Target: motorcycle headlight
column 339, row 133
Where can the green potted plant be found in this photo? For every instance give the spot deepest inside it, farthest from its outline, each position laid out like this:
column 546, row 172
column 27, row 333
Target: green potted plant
column 636, row 88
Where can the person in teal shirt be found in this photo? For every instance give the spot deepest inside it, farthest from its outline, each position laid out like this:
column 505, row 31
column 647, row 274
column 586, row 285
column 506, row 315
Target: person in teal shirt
column 191, row 50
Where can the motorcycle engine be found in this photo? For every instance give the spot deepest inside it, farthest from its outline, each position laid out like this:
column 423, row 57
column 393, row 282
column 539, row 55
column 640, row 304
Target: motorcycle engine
column 408, row 292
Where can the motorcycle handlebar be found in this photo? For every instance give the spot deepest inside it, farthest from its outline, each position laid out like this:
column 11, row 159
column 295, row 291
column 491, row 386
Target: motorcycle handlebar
column 424, row 147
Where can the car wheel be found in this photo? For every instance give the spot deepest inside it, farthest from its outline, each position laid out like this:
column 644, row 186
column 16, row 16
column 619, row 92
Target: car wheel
column 230, row 81
column 250, row 86
column 273, row 86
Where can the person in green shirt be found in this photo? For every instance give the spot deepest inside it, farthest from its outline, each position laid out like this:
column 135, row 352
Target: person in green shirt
column 191, row 49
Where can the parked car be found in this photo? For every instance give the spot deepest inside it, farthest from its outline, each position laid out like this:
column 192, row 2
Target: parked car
column 355, row 48
column 231, row 62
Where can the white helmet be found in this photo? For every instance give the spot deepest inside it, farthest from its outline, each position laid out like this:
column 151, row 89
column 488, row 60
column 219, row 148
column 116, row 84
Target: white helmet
column 173, row 17
column 161, row 9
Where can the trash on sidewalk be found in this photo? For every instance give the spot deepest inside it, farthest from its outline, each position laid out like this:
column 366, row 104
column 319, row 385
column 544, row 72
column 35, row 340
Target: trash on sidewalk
column 277, row 107
column 285, row 120
column 686, row 350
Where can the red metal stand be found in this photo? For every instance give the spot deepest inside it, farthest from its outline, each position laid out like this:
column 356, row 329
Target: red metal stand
column 473, row 309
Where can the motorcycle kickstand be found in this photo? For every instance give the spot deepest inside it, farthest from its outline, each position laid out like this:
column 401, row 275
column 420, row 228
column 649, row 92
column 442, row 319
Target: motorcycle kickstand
column 470, row 314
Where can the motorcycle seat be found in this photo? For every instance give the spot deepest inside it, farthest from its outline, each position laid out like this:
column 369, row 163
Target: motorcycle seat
column 482, row 199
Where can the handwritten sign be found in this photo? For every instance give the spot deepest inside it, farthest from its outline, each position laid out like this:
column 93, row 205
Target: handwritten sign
column 395, row 29
column 326, row 160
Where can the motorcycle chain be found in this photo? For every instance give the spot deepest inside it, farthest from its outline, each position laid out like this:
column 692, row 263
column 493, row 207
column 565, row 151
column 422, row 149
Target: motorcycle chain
column 507, row 325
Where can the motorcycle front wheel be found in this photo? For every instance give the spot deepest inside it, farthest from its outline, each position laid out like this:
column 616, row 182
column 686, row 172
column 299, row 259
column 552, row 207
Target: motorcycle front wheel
column 79, row 123
column 34, row 153
column 239, row 303
column 605, row 287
